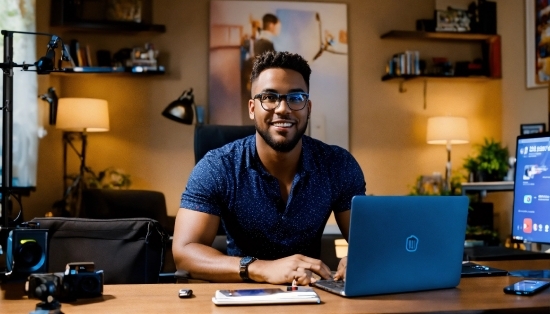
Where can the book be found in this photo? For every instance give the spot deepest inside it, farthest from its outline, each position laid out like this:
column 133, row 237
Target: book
column 266, row 296
column 73, row 50
column 89, row 56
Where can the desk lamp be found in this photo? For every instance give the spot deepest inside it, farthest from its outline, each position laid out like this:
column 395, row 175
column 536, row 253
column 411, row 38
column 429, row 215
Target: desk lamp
column 76, row 117
column 181, row 109
column 447, row 131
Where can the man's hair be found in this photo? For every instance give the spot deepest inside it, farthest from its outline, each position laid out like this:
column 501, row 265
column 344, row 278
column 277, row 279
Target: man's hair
column 282, row 60
column 269, row 19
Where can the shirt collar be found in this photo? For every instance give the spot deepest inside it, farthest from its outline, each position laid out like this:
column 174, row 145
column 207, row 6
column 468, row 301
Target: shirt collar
column 306, row 163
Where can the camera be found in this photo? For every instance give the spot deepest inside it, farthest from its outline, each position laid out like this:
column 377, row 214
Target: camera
column 79, row 280
column 27, row 250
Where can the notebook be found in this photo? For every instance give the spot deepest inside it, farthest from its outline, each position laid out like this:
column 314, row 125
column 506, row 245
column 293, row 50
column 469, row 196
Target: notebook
column 403, row 244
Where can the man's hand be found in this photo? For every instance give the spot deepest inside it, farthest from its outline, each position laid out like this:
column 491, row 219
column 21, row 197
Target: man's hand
column 285, row 270
column 341, row 272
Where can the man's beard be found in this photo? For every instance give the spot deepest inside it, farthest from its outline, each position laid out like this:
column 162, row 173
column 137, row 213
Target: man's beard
column 284, row 146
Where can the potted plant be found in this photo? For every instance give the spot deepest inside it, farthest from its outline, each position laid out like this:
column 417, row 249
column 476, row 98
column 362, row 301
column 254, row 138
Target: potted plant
column 490, row 164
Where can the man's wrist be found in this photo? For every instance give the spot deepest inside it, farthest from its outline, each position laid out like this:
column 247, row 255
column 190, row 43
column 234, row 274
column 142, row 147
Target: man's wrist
column 255, row 271
column 243, row 267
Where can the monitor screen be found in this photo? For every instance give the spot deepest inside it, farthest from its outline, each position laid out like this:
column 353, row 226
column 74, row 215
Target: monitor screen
column 531, row 211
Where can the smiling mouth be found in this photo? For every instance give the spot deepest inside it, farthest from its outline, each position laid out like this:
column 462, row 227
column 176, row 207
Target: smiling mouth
column 283, row 124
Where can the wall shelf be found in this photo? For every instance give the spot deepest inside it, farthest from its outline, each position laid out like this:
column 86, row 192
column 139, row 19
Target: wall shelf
column 490, row 44
column 108, row 26
column 480, row 78
column 135, row 70
column 439, row 36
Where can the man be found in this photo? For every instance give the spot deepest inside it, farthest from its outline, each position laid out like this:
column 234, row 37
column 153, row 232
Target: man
column 271, row 27
column 273, row 191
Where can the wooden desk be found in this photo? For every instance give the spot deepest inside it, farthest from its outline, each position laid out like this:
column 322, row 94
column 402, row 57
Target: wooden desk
column 472, row 295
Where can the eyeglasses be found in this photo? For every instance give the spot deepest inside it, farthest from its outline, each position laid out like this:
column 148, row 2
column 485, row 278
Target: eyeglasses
column 271, row 101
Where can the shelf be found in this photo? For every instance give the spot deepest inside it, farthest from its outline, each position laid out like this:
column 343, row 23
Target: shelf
column 484, row 187
column 436, row 77
column 108, row 26
column 135, row 70
column 439, row 36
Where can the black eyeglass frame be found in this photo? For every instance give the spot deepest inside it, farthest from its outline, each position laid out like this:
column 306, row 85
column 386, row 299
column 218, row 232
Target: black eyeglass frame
column 279, row 98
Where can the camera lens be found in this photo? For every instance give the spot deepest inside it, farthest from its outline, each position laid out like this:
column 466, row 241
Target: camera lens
column 89, row 284
column 28, row 255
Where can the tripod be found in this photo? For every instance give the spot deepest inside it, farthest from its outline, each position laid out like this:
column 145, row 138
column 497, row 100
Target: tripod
column 73, row 185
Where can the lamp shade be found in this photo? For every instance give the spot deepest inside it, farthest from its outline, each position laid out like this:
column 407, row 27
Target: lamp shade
column 82, row 114
column 447, row 130
column 181, row 109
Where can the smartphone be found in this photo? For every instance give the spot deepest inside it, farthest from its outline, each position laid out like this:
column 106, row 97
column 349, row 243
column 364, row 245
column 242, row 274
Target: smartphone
column 250, row 292
column 527, row 287
column 185, row 293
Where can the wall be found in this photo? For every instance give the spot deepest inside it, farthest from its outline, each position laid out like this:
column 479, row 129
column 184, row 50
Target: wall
column 387, row 128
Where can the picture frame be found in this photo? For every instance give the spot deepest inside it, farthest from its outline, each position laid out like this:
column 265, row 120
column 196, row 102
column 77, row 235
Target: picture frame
column 242, row 30
column 537, row 44
column 531, row 128
column 430, row 185
column 452, row 20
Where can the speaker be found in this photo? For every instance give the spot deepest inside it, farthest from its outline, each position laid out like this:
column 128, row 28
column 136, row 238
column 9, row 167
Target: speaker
column 487, row 17
column 27, row 251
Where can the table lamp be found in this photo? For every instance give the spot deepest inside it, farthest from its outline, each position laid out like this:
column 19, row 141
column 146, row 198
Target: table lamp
column 181, row 109
column 76, row 117
column 447, row 131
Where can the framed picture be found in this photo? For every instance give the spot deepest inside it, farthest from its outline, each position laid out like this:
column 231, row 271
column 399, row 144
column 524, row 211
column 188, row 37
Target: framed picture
column 532, row 128
column 430, row 185
column 241, row 30
column 452, row 20
column 537, row 43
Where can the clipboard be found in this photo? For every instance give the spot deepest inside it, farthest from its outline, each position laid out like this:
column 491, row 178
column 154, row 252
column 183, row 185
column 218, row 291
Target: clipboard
column 265, row 296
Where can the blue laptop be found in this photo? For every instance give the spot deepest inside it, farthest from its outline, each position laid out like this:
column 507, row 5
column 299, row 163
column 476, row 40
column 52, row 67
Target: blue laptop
column 403, row 244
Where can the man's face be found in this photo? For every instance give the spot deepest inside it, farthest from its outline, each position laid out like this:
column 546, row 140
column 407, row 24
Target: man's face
column 280, row 128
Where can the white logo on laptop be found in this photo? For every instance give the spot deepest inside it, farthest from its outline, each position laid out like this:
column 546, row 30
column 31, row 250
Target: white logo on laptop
column 411, row 244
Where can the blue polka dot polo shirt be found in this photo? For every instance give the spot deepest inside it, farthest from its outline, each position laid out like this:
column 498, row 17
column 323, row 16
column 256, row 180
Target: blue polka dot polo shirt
column 231, row 182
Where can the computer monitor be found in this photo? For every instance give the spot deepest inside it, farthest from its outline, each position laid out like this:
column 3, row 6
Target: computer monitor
column 531, row 210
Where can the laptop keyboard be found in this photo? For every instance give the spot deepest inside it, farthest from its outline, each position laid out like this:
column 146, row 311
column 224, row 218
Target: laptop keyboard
column 335, row 284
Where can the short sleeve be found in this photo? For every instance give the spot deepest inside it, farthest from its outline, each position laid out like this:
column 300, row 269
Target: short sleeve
column 202, row 192
column 348, row 180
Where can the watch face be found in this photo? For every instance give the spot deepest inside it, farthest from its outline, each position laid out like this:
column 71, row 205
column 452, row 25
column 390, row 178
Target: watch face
column 246, row 260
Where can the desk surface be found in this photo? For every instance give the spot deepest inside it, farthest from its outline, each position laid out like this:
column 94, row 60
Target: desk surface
column 473, row 294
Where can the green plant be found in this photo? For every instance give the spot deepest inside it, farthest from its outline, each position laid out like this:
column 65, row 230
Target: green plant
column 110, row 178
column 491, row 162
column 424, row 187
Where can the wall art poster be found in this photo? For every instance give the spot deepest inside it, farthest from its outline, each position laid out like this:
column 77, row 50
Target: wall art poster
column 240, row 30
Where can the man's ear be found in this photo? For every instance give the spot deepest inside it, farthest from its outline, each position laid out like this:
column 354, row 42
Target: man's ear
column 251, row 107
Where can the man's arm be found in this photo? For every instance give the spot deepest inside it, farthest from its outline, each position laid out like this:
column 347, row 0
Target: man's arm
column 342, row 219
column 194, row 233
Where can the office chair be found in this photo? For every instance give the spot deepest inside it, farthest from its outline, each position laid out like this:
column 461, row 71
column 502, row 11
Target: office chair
column 210, row 136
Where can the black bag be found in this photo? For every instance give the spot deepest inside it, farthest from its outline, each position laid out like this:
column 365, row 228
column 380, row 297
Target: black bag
column 128, row 250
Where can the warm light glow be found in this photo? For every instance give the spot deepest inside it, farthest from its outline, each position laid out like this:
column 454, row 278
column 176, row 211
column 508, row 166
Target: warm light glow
column 82, row 114
column 447, row 130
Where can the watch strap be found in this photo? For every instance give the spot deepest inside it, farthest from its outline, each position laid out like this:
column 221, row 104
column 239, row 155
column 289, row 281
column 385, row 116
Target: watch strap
column 243, row 268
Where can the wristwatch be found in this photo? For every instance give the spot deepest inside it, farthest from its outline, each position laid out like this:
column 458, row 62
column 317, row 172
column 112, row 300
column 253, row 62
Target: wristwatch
column 243, row 268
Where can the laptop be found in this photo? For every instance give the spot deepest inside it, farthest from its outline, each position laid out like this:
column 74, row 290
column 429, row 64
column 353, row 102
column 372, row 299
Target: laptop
column 403, row 244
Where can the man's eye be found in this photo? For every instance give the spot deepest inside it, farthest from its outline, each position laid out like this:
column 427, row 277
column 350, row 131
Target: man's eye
column 269, row 97
column 295, row 98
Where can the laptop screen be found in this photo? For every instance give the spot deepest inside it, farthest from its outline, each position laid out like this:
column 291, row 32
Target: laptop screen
column 531, row 211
